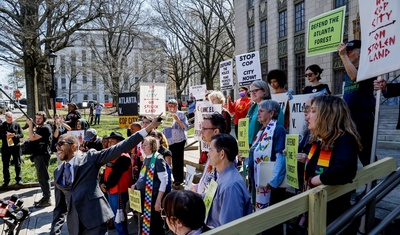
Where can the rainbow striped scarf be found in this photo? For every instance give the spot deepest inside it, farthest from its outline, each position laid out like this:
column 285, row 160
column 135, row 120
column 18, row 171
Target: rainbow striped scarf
column 147, row 196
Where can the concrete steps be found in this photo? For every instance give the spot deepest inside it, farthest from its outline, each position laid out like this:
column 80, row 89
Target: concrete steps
column 388, row 136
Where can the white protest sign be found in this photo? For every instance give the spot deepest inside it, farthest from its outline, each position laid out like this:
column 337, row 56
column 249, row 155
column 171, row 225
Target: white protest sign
column 152, row 98
column 203, row 108
column 380, row 25
column 298, row 123
column 226, row 74
column 198, row 92
column 281, row 99
column 190, row 173
column 248, row 68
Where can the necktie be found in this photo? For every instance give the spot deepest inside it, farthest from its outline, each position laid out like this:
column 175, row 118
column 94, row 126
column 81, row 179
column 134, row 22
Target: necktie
column 67, row 174
column 147, row 197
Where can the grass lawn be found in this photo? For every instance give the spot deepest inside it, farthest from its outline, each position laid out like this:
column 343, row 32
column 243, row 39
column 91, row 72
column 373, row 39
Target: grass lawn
column 109, row 123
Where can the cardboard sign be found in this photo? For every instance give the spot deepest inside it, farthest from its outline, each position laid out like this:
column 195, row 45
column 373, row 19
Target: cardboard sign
column 243, row 137
column 226, row 74
column 152, row 98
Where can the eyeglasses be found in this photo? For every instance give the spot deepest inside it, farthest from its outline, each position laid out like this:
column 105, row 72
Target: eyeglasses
column 308, row 74
column 61, row 143
column 255, row 90
column 261, row 111
column 208, row 128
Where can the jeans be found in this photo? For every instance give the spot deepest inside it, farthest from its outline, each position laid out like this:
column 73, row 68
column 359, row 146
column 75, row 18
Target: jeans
column 97, row 119
column 42, row 170
column 122, row 228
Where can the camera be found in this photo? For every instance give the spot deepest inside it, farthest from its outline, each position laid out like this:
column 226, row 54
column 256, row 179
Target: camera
column 159, row 119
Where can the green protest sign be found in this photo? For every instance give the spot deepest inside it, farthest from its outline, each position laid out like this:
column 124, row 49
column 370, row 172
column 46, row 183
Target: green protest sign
column 325, row 32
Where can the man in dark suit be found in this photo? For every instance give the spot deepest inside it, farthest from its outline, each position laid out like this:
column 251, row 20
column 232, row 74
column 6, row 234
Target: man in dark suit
column 87, row 209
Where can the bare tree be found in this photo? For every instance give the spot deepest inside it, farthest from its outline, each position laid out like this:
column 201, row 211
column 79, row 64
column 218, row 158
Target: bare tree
column 113, row 47
column 29, row 28
column 180, row 63
column 203, row 33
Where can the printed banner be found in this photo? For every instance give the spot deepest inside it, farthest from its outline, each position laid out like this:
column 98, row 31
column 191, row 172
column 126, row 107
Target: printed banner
column 282, row 99
column 226, row 74
column 248, row 68
column 298, row 124
column 325, row 32
column 292, row 144
column 380, row 26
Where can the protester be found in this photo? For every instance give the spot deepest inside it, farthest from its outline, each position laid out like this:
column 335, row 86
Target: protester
column 152, row 184
column 91, row 114
column 176, row 136
column 259, row 92
column 91, row 141
column 146, row 120
column 136, row 153
column 216, row 97
column 87, row 208
column 97, row 108
column 184, row 211
column 240, row 107
column 231, row 200
column 73, row 115
column 117, row 180
column 389, row 90
column 359, row 97
column 135, row 126
column 11, row 133
column 332, row 159
column 212, row 125
column 313, row 75
column 41, row 140
column 277, row 80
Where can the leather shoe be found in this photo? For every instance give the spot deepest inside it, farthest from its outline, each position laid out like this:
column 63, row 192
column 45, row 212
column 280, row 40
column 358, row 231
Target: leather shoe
column 44, row 202
column 4, row 185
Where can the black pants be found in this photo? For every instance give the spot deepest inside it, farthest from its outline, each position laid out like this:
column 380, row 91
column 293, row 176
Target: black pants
column 59, row 212
column 177, row 160
column 6, row 153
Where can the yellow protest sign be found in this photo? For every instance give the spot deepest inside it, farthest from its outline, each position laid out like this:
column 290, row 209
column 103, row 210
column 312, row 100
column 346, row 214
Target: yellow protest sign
column 210, row 193
column 243, row 139
column 126, row 121
column 325, row 32
column 168, row 120
column 135, row 200
column 292, row 144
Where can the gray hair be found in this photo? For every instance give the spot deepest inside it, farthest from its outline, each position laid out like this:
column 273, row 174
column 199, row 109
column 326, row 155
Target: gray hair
column 173, row 101
column 264, row 86
column 218, row 95
column 271, row 105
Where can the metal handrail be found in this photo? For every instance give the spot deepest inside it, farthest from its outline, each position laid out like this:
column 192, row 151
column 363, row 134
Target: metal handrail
column 358, row 209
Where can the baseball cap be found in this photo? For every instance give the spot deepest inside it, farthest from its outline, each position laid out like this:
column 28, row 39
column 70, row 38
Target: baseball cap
column 90, row 133
column 353, row 45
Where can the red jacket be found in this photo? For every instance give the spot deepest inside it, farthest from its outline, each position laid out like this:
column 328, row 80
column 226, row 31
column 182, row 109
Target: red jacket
column 239, row 108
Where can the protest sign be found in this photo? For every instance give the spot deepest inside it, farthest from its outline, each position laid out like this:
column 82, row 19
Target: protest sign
column 292, row 144
column 127, row 109
column 248, row 68
column 325, row 32
column 226, row 74
column 203, row 108
column 197, row 92
column 152, row 98
column 135, row 200
column 243, row 137
column 380, row 25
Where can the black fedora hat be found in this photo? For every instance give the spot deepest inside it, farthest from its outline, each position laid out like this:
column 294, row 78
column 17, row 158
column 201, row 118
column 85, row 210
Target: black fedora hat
column 115, row 135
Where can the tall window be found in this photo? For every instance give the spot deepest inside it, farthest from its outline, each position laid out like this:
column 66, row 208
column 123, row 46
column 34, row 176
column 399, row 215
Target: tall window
column 106, row 98
column 283, row 64
column 299, row 70
column 63, row 84
column 84, row 78
column 264, row 32
column 340, row 3
column 250, row 3
column 251, row 37
column 95, row 97
column 264, row 70
column 299, row 17
column 94, row 83
column 282, row 24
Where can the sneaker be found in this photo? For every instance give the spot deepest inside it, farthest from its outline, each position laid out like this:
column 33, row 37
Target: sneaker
column 19, row 182
column 44, row 202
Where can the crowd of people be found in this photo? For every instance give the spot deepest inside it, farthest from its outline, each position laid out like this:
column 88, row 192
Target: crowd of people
column 338, row 134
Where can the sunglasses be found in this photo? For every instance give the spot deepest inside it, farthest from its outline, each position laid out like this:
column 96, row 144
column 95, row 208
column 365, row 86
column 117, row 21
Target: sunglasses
column 61, row 143
column 308, row 74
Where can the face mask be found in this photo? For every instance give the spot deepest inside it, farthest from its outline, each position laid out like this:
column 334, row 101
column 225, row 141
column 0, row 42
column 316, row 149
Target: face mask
column 242, row 94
